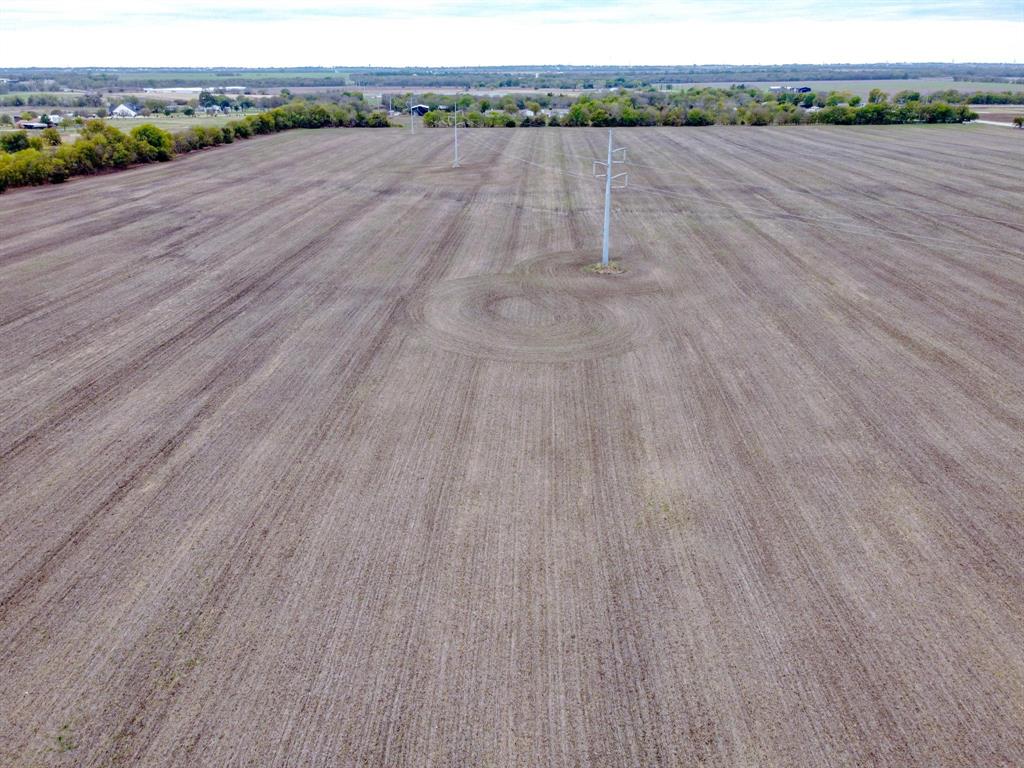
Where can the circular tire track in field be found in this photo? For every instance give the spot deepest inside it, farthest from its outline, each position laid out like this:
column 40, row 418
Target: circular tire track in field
column 539, row 313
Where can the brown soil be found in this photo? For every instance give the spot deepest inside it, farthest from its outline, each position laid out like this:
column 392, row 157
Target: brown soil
column 310, row 456
column 612, row 268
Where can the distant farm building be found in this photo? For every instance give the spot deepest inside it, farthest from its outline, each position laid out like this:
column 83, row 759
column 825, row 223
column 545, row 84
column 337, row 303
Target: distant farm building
column 419, row 109
column 32, row 125
column 122, row 110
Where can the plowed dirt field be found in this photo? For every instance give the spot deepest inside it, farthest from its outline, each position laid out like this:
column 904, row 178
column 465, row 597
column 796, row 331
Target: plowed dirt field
column 315, row 451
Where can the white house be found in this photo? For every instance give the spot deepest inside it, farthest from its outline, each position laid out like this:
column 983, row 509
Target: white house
column 122, row 111
column 55, row 119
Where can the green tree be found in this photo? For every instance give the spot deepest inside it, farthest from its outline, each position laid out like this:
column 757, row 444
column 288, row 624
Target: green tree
column 835, row 98
column 835, row 116
column 758, row 115
column 599, row 116
column 939, row 112
column 433, row 118
column 242, row 129
column 160, row 141
column 877, row 96
column 577, row 115
column 699, row 117
column 14, row 142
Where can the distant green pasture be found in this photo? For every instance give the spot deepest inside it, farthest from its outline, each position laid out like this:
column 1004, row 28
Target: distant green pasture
column 863, row 87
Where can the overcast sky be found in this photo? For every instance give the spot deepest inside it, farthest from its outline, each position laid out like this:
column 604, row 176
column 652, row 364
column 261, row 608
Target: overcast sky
column 467, row 32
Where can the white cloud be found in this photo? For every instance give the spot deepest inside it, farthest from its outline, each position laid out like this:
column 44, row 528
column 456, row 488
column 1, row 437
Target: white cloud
column 460, row 32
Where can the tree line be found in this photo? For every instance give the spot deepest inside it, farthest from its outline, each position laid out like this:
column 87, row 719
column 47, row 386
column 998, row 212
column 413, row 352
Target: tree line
column 544, row 77
column 27, row 160
column 737, row 105
column 51, row 100
column 953, row 96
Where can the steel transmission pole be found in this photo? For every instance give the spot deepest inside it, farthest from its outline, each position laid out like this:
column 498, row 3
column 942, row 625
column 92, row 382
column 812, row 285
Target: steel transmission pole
column 455, row 164
column 607, row 203
column 609, row 177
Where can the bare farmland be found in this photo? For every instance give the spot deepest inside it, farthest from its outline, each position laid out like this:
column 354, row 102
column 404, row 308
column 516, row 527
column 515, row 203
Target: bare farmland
column 315, row 451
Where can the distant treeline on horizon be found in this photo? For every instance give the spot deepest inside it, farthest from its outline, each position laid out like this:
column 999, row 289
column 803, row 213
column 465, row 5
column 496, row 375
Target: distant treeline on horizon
column 512, row 76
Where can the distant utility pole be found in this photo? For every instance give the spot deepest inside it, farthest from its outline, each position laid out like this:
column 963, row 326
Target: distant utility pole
column 455, row 163
column 412, row 120
column 609, row 178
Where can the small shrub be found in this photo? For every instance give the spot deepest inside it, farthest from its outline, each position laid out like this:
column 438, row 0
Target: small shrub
column 241, row 128
column 51, row 136
column 58, row 170
column 24, row 168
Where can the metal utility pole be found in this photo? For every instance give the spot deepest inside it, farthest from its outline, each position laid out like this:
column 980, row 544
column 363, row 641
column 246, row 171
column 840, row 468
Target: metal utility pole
column 455, row 163
column 609, row 178
column 412, row 120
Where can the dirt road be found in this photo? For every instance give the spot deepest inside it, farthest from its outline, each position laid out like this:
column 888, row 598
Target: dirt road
column 315, row 451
